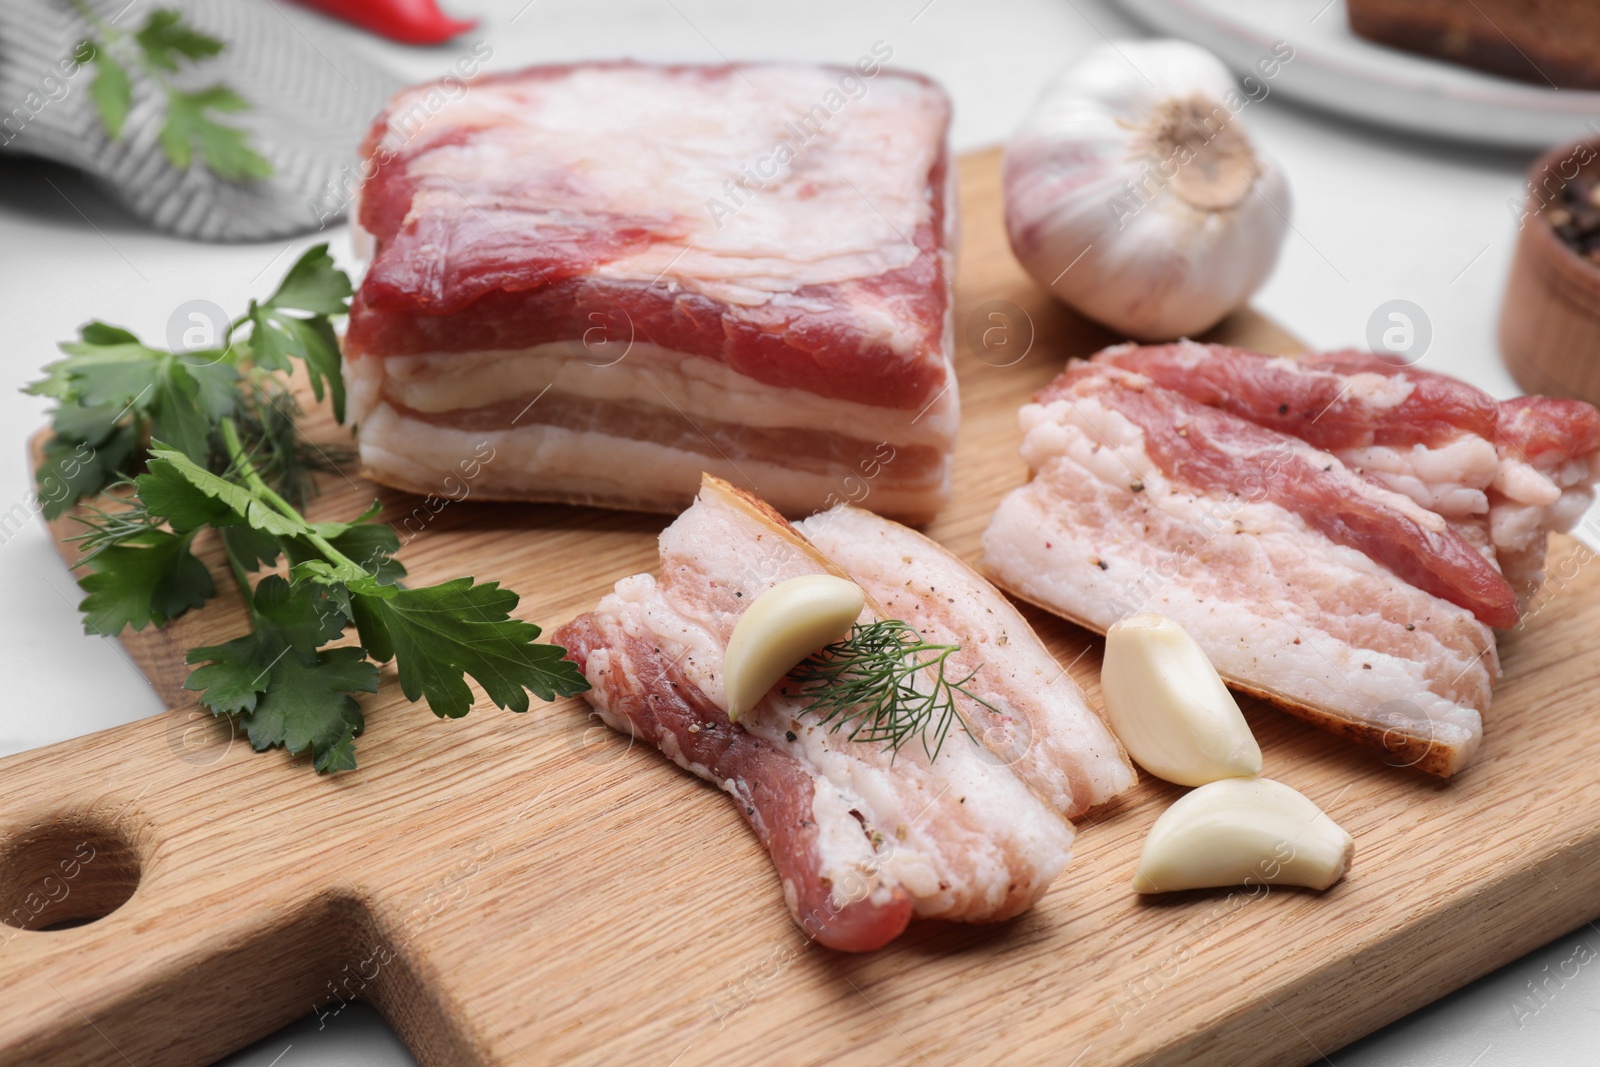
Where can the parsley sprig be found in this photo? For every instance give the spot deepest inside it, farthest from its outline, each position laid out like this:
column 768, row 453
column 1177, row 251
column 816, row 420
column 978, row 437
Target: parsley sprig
column 197, row 442
column 159, row 48
column 114, row 394
column 887, row 685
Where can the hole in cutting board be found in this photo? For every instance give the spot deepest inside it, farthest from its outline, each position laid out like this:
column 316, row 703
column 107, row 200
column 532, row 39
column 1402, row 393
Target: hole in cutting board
column 61, row 875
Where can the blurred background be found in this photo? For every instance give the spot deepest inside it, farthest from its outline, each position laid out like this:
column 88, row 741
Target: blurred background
column 1422, row 210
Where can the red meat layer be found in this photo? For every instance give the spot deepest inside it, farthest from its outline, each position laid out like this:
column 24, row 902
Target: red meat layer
column 492, row 275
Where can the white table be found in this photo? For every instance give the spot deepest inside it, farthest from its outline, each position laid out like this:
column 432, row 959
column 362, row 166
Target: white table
column 1377, row 216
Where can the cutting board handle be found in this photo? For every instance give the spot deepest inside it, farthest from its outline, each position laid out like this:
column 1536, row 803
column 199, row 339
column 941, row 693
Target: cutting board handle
column 148, row 908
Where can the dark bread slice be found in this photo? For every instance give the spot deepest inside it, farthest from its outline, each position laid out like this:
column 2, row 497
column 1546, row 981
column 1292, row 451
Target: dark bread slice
column 1546, row 42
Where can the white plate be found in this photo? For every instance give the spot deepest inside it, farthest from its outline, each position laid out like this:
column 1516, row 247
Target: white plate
column 1334, row 69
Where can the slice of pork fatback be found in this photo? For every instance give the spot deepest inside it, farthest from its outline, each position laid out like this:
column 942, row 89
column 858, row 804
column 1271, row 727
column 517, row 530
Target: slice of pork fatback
column 1038, row 720
column 1284, row 565
column 862, row 838
column 1518, row 469
column 1214, row 451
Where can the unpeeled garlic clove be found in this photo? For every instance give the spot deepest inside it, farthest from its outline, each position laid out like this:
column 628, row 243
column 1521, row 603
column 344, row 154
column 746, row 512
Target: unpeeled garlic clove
column 1242, row 831
column 780, row 628
column 1167, row 704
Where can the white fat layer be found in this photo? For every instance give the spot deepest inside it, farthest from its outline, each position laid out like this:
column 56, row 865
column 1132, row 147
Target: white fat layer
column 1266, row 642
column 1532, row 503
column 960, row 833
column 1570, row 509
column 1451, row 501
column 684, row 140
column 640, row 373
column 1524, row 483
column 1517, row 527
column 1045, row 730
column 535, row 462
column 1449, row 479
column 1376, row 391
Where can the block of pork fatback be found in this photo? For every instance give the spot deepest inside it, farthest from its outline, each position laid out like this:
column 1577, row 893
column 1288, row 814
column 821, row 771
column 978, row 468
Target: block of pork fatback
column 589, row 283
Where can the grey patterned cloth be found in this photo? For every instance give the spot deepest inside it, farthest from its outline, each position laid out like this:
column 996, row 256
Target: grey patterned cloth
column 311, row 103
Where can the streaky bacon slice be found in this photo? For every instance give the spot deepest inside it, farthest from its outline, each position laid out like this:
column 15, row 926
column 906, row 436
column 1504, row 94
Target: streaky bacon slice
column 861, row 837
column 1215, row 451
column 724, row 252
column 1141, row 500
column 1520, row 468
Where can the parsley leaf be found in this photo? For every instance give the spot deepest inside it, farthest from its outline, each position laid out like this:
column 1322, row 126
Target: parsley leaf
column 113, row 392
column 109, row 375
column 73, row 469
column 373, row 545
column 160, row 48
column 286, row 620
column 446, row 631
column 289, row 693
column 149, row 577
column 111, row 92
column 308, row 703
column 224, row 149
column 313, row 285
column 339, row 756
column 166, row 492
column 250, row 549
column 185, row 486
column 279, row 337
column 188, row 403
column 100, row 333
column 105, row 369
column 165, row 37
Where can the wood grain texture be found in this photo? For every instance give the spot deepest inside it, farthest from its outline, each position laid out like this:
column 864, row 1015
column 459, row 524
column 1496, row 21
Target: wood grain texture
column 534, row 889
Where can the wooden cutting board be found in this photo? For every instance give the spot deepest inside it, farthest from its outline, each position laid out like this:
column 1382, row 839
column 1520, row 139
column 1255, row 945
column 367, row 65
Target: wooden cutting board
column 534, row 889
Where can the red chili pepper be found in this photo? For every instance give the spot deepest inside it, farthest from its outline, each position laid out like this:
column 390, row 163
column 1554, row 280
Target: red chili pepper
column 406, row 21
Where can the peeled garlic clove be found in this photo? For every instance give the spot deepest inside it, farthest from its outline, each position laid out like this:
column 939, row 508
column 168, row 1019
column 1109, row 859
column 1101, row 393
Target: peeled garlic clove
column 1133, row 192
column 1242, row 831
column 1167, row 705
column 780, row 628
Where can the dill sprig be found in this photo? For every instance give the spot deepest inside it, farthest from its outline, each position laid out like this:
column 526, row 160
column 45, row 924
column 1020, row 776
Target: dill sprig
column 105, row 529
column 868, row 682
column 266, row 418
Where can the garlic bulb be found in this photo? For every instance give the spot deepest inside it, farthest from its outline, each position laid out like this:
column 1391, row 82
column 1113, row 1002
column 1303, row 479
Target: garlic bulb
column 1134, row 194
